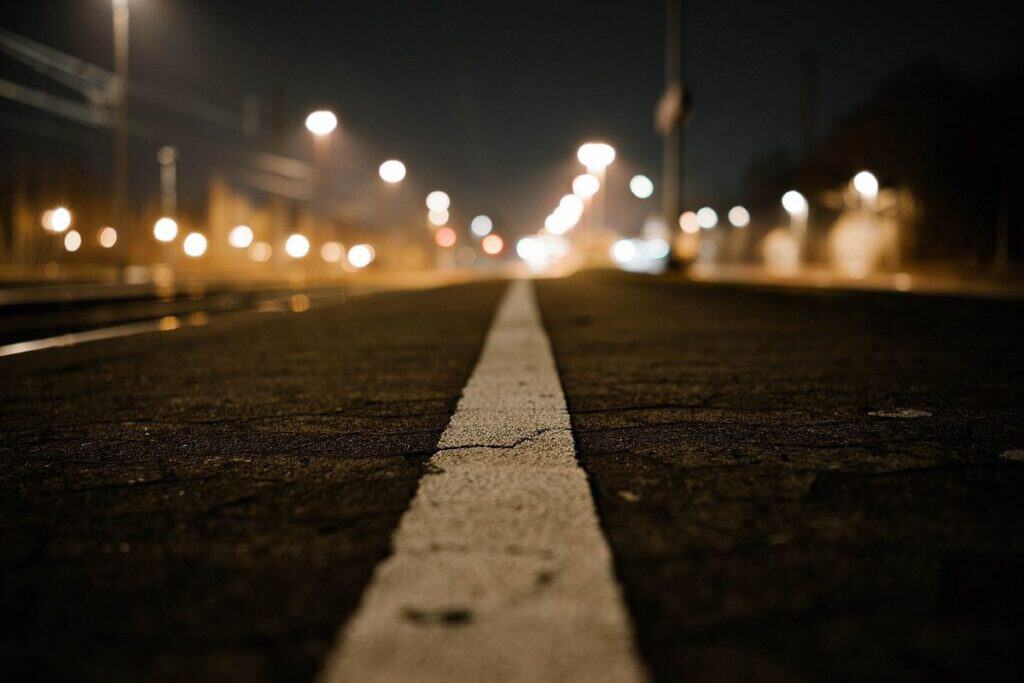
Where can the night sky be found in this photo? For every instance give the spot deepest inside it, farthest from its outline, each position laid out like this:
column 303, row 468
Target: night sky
column 490, row 99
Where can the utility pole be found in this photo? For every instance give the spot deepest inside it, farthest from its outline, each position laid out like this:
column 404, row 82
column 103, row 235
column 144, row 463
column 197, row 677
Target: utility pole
column 808, row 101
column 121, row 117
column 669, row 119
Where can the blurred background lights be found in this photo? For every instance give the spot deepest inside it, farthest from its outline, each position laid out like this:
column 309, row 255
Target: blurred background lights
column 57, row 220
column 361, row 255
column 739, row 217
column 194, row 244
column 481, row 226
column 107, row 237
column 240, row 236
column 445, row 237
column 794, row 203
column 260, row 252
column 392, row 171
column 707, row 218
column 596, row 155
column 332, row 252
column 321, row 122
column 165, row 229
column 492, row 245
column 623, row 251
column 641, row 186
column 72, row 240
column 866, row 184
column 438, row 201
column 296, row 246
column 572, row 203
column 689, row 223
column 438, row 217
column 585, row 186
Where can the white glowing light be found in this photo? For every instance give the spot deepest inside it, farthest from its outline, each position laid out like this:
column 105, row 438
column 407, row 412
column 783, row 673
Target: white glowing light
column 72, row 240
column 332, row 252
column 240, row 236
column 481, row 226
column 585, row 186
column 572, row 204
column 739, row 217
column 57, row 220
column 795, row 203
column 623, row 251
column 321, row 122
column 165, row 229
column 361, row 255
column 532, row 251
column 438, row 201
column 438, row 217
column 866, row 184
column 641, row 186
column 194, row 244
column 596, row 155
column 707, row 218
column 107, row 237
column 392, row 171
column 296, row 246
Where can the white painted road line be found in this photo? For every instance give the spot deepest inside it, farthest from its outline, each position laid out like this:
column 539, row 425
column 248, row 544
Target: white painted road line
column 499, row 570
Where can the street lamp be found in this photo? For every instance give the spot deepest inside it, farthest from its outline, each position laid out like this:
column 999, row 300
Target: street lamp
column 866, row 185
column 585, row 186
column 392, row 171
column 321, row 122
column 438, row 201
column 595, row 155
column 641, row 186
column 121, row 25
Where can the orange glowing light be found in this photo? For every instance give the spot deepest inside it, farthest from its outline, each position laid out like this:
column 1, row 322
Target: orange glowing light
column 445, row 237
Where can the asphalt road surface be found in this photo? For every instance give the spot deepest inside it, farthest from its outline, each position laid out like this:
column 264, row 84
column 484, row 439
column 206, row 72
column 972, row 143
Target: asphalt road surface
column 779, row 485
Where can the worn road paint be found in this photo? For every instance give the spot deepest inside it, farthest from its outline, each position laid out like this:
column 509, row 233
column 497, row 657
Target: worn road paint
column 499, row 569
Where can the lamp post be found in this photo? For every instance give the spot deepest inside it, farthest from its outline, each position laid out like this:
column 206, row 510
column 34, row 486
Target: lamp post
column 121, row 18
column 321, row 124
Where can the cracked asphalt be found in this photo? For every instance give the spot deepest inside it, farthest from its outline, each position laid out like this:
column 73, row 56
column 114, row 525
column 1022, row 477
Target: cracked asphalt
column 208, row 504
column 795, row 485
column 802, row 485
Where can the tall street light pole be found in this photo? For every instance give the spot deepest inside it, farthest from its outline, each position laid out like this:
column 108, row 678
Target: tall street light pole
column 670, row 115
column 121, row 120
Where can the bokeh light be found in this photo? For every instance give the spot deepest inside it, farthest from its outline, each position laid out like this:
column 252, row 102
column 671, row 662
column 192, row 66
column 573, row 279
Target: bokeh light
column 260, row 252
column 296, row 246
column 107, row 237
column 361, row 255
column 492, row 245
column 438, row 217
column 481, row 226
column 585, row 186
column 72, row 240
column 194, row 244
column 321, row 122
column 866, row 184
column 165, row 229
column 438, row 201
column 445, row 237
column 641, row 186
column 392, row 171
column 332, row 252
column 707, row 218
column 794, row 203
column 689, row 223
column 739, row 217
column 240, row 237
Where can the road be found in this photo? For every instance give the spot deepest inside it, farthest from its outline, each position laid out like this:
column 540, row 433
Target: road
column 759, row 485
